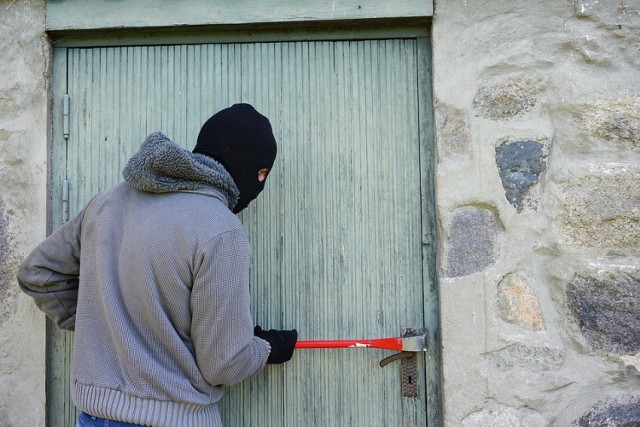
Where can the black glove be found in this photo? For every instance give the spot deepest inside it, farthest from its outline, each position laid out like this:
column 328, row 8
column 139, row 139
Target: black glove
column 282, row 343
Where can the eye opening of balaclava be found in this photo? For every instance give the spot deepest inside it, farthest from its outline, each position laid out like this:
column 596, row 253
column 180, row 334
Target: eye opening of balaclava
column 241, row 139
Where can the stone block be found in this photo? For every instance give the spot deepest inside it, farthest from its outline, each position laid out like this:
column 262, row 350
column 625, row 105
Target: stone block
column 452, row 130
column 617, row 411
column 518, row 305
column 521, row 356
column 606, row 307
column 599, row 125
column 8, row 267
column 617, row 121
column 506, row 98
column 520, row 164
column 602, row 211
column 472, row 241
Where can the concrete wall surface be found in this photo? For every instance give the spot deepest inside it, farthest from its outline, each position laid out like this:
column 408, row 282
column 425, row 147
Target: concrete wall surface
column 537, row 108
column 24, row 81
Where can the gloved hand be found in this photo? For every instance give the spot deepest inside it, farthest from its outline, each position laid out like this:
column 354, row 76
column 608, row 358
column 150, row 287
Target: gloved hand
column 282, row 343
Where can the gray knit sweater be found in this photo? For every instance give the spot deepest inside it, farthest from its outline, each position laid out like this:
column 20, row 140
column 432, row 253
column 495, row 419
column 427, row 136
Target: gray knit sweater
column 153, row 276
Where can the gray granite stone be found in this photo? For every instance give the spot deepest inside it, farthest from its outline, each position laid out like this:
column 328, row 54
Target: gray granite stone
column 472, row 241
column 520, row 164
column 606, row 308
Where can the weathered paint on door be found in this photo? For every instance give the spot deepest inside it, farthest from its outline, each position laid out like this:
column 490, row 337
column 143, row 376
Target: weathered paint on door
column 339, row 235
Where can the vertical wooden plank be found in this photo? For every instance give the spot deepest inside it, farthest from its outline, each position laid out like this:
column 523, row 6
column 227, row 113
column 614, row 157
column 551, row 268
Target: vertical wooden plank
column 268, row 225
column 188, row 98
column 238, row 406
column 58, row 346
column 193, row 99
column 58, row 144
column 431, row 296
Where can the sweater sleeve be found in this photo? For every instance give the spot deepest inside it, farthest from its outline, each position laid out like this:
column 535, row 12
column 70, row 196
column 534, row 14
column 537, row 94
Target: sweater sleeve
column 226, row 349
column 51, row 271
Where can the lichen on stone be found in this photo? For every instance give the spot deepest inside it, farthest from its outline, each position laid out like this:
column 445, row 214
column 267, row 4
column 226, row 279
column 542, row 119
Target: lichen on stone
column 602, row 211
column 617, row 121
column 506, row 98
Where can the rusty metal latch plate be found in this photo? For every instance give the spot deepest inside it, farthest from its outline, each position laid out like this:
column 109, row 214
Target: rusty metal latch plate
column 409, row 361
column 409, row 368
column 408, row 371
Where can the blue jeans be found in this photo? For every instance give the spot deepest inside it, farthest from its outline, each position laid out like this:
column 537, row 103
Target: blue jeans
column 86, row 420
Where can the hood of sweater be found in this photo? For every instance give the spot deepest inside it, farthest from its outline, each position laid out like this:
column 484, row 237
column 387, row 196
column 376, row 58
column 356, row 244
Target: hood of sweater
column 162, row 166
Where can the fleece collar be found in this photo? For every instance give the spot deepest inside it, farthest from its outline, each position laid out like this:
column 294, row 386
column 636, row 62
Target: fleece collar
column 162, row 166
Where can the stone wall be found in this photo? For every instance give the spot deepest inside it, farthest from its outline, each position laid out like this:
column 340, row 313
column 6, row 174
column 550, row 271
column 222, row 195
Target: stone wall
column 537, row 109
column 23, row 179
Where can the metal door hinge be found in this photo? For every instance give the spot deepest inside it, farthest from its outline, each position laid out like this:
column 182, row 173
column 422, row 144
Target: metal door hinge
column 66, row 109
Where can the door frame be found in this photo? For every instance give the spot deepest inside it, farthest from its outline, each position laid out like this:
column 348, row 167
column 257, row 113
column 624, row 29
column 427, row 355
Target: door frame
column 360, row 31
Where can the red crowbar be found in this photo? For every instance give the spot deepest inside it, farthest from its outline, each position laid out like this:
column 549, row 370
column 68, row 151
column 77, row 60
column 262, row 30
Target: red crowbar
column 413, row 343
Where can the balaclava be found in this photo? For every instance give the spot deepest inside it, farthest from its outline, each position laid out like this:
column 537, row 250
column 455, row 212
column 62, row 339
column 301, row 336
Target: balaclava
column 242, row 140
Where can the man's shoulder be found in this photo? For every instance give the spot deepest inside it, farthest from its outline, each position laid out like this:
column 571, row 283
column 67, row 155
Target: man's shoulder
column 204, row 211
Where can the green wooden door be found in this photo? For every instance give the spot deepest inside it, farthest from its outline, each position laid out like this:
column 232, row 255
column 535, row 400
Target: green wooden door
column 341, row 237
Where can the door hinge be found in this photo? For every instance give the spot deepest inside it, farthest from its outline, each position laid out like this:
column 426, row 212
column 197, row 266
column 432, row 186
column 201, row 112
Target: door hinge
column 66, row 108
column 65, row 201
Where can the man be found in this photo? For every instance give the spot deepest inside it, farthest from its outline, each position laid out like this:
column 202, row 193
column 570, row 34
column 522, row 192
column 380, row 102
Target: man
column 153, row 276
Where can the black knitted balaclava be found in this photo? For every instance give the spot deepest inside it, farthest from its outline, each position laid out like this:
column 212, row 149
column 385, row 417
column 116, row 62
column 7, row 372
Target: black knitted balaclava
column 242, row 140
